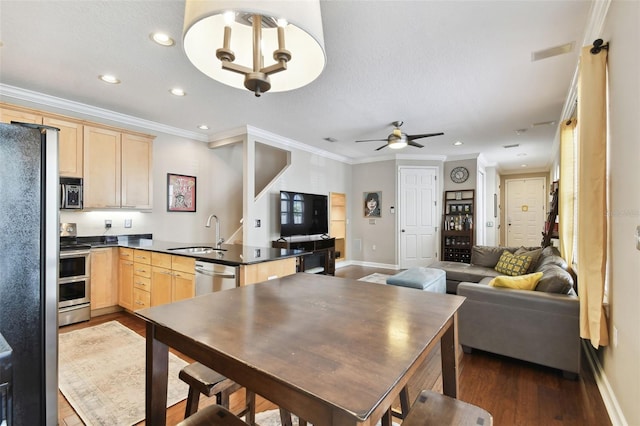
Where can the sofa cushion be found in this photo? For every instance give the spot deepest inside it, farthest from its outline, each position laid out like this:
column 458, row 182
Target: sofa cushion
column 458, row 272
column 552, row 260
column 521, row 282
column 510, row 264
column 487, row 256
column 554, row 280
column 534, row 254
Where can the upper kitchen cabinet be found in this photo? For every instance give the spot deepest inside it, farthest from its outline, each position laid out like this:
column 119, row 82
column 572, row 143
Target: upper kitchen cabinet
column 117, row 169
column 137, row 152
column 70, row 143
column 8, row 115
column 69, row 137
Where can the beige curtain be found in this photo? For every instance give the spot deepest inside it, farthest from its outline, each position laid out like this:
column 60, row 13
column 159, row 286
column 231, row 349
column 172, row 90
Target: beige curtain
column 567, row 189
column 592, row 195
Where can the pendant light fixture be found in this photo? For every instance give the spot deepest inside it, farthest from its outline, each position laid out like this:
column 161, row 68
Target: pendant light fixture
column 257, row 45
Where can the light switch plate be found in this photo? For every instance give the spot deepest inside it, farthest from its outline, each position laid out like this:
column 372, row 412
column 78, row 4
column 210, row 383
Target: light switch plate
column 638, row 237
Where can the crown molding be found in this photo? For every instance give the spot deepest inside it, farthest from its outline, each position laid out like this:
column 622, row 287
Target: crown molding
column 45, row 100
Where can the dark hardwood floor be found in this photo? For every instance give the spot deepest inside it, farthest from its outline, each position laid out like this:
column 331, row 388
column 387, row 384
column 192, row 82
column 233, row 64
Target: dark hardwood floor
column 514, row 392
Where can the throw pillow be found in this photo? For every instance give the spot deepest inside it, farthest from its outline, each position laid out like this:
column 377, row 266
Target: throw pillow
column 534, row 254
column 510, row 264
column 522, row 282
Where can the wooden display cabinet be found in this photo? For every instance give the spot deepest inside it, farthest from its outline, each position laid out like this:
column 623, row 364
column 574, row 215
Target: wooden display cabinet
column 458, row 224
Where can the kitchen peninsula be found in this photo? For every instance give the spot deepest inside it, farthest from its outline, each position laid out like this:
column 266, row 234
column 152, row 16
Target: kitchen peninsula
column 135, row 271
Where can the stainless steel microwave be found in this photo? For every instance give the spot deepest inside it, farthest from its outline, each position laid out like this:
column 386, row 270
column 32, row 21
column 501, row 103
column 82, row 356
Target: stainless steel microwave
column 70, row 193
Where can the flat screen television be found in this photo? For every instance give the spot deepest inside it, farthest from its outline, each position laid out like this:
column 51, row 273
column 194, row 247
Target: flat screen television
column 303, row 214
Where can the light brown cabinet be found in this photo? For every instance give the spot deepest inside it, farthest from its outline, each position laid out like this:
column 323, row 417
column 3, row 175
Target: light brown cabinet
column 172, row 278
column 70, row 145
column 117, row 169
column 70, row 137
column 258, row 272
column 104, row 278
column 8, row 115
column 141, row 279
column 125, row 278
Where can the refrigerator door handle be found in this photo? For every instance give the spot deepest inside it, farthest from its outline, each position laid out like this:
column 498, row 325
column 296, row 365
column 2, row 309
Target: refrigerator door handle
column 63, row 198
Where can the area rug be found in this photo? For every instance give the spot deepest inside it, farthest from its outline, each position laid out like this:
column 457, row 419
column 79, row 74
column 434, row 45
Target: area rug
column 376, row 278
column 102, row 374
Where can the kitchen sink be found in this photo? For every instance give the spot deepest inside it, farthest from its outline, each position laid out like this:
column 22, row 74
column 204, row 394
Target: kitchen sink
column 196, row 250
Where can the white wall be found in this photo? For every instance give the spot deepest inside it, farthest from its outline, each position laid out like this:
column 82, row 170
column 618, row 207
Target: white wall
column 171, row 154
column 621, row 363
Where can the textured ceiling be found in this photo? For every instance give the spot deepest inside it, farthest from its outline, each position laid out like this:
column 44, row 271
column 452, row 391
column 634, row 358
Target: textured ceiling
column 459, row 67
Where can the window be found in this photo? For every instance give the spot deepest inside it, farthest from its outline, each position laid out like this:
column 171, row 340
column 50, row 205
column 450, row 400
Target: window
column 285, row 213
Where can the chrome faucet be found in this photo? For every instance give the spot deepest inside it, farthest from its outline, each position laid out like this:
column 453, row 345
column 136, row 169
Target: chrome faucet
column 219, row 240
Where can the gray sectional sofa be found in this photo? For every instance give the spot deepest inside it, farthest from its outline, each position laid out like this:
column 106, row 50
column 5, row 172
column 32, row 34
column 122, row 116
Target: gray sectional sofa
column 539, row 326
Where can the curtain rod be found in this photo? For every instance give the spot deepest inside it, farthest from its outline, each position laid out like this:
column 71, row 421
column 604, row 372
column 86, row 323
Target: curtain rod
column 598, row 46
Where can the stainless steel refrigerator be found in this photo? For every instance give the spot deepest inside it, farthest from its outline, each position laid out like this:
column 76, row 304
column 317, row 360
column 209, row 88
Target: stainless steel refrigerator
column 29, row 243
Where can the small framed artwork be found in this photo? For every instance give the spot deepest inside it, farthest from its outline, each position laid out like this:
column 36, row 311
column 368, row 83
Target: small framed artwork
column 181, row 193
column 372, row 204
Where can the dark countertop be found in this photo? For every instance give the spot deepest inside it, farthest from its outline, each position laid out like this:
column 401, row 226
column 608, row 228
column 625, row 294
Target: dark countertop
column 231, row 254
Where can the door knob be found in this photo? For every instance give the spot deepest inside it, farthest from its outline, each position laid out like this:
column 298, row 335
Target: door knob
column 402, row 230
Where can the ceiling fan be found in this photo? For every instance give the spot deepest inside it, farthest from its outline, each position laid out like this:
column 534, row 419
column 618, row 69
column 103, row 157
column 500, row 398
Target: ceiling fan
column 397, row 139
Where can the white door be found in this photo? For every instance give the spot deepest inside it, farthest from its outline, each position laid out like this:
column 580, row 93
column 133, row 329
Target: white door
column 417, row 216
column 525, row 200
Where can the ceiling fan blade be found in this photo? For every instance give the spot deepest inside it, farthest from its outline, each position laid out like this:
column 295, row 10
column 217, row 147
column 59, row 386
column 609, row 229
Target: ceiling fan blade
column 416, row 144
column 424, row 135
column 383, row 146
column 373, row 140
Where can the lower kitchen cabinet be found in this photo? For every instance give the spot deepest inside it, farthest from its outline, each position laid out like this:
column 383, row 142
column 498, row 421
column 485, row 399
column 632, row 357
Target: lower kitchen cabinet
column 125, row 278
column 258, row 272
column 104, row 278
column 172, row 278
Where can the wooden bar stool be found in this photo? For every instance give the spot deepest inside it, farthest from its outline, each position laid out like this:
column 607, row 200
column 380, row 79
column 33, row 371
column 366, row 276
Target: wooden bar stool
column 203, row 380
column 213, row 415
column 432, row 408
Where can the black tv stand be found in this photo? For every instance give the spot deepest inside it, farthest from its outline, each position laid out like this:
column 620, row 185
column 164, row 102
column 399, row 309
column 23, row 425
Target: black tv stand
column 322, row 260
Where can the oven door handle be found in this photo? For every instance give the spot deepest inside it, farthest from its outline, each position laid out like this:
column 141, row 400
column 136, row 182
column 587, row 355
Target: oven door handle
column 74, row 279
column 73, row 253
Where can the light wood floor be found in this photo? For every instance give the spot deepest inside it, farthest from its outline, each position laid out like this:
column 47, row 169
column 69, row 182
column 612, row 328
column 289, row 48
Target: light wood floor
column 514, row 392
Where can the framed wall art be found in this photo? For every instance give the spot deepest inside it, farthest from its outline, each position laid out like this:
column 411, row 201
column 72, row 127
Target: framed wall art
column 181, row 193
column 372, row 204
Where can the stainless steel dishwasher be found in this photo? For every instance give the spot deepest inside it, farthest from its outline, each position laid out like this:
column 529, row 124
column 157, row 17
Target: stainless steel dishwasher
column 214, row 277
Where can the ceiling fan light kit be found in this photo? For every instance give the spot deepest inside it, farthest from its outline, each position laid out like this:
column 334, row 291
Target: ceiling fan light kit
column 398, row 139
column 225, row 39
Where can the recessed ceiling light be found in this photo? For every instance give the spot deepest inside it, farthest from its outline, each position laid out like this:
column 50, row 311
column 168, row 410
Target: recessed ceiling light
column 330, row 139
column 458, row 143
column 108, row 78
column 523, row 165
column 513, row 145
column 162, row 39
column 177, row 91
column 520, row 131
column 203, row 127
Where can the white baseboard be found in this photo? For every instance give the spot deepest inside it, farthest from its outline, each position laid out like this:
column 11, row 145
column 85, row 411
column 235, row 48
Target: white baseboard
column 608, row 397
column 374, row 265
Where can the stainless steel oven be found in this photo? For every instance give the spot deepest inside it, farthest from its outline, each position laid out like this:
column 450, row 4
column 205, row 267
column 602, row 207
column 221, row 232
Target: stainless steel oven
column 74, row 282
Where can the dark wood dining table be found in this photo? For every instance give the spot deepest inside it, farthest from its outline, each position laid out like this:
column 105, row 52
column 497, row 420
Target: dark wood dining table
column 333, row 351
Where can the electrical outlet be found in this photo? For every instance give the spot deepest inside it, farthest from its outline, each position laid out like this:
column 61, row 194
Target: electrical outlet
column 127, row 223
column 257, row 223
column 373, row 247
column 615, row 336
column 638, row 237
column 107, row 223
